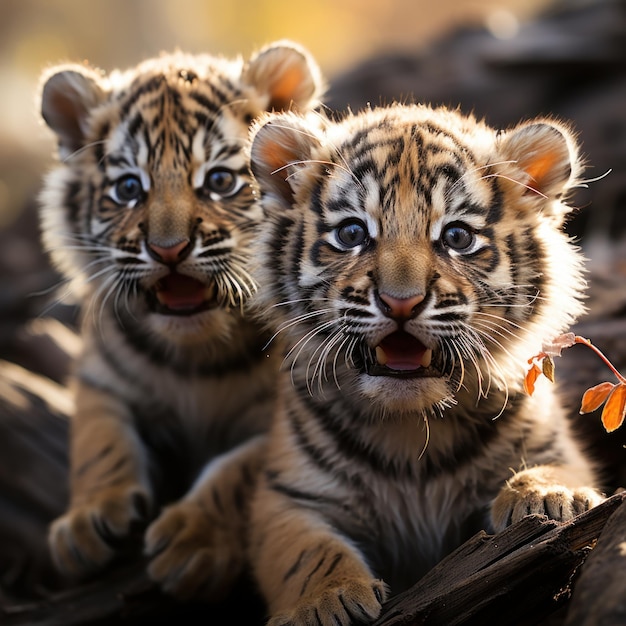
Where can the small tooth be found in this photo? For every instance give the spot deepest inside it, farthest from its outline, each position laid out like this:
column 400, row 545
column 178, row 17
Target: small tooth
column 427, row 357
column 381, row 357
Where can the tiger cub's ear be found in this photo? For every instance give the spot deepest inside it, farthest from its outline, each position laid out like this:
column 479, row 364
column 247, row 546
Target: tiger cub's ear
column 281, row 156
column 287, row 74
column 68, row 95
column 546, row 153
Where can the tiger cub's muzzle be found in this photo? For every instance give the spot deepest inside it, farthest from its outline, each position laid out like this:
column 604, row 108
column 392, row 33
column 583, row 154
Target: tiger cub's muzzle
column 178, row 293
column 400, row 353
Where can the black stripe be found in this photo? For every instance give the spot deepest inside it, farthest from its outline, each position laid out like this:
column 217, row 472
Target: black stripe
column 495, row 210
column 333, row 564
column 203, row 101
column 297, row 494
column 203, row 120
column 116, row 160
column 511, row 253
column 449, row 317
column 99, row 145
column 135, row 124
column 215, row 252
column 355, row 296
column 89, row 207
column 71, row 200
column 338, row 421
column 358, row 313
column 315, row 203
column 87, row 465
column 474, row 438
column 297, row 564
column 315, row 453
column 307, row 580
column 451, row 299
column 315, row 252
column 138, row 89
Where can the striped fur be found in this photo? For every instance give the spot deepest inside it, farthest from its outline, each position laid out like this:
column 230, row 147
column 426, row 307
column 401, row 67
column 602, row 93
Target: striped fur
column 413, row 260
column 150, row 216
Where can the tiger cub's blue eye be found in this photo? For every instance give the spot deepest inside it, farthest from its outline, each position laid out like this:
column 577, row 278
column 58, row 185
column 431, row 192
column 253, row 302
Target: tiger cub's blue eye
column 458, row 237
column 221, row 181
column 128, row 189
column 351, row 233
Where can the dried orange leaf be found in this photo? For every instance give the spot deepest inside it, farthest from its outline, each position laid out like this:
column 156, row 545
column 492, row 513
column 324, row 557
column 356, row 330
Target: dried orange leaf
column 531, row 377
column 615, row 409
column 554, row 347
column 594, row 397
column 547, row 368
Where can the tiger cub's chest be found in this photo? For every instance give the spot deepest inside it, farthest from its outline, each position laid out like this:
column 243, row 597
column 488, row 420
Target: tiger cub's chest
column 205, row 397
column 415, row 524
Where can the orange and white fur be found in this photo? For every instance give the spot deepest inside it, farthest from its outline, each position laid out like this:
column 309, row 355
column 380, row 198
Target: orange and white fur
column 150, row 216
column 413, row 259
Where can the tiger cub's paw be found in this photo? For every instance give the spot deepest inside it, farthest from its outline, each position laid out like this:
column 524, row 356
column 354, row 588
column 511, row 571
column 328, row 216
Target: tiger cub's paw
column 529, row 493
column 89, row 535
column 192, row 557
column 354, row 601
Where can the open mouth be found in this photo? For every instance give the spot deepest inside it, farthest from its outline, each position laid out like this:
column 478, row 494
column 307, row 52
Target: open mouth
column 178, row 294
column 403, row 356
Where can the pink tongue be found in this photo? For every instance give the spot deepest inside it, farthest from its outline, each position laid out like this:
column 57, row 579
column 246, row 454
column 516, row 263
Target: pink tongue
column 403, row 351
column 177, row 291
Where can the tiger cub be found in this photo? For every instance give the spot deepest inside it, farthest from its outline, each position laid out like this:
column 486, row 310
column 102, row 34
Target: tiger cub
column 413, row 258
column 150, row 217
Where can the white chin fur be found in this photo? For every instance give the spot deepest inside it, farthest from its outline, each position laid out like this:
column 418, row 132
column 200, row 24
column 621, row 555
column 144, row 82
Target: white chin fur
column 211, row 325
column 404, row 395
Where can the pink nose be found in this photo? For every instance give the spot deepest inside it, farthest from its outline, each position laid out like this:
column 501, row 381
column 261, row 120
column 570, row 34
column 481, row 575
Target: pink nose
column 169, row 254
column 400, row 308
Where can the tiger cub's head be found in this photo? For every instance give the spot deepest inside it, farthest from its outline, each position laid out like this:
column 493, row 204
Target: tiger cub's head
column 414, row 254
column 151, row 211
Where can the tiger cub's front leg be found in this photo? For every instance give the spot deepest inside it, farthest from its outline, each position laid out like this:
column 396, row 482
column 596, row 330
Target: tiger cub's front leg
column 110, row 493
column 197, row 545
column 308, row 572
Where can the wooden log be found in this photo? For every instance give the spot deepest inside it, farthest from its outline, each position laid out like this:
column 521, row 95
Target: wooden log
column 599, row 595
column 518, row 576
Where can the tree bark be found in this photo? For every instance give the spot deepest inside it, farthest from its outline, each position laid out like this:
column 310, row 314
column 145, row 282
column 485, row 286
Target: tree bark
column 518, row 576
column 599, row 597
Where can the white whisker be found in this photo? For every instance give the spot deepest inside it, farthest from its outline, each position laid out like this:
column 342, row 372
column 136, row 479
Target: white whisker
column 583, row 184
column 517, row 182
column 427, row 440
column 83, row 148
column 472, row 171
column 324, row 350
column 294, row 322
column 299, row 346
